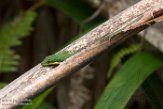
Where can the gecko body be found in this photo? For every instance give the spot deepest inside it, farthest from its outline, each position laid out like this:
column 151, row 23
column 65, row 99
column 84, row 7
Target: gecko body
column 57, row 58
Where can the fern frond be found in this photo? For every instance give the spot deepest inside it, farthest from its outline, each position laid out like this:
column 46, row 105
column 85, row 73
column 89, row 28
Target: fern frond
column 8, row 61
column 120, row 54
column 10, row 35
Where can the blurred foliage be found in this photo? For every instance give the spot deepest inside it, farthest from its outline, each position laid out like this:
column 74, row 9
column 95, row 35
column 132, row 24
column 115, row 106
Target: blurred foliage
column 2, row 85
column 75, row 10
column 128, row 79
column 153, row 88
column 120, row 54
column 46, row 106
column 39, row 100
column 10, row 35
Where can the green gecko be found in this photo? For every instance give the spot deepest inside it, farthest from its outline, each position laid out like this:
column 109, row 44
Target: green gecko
column 57, row 58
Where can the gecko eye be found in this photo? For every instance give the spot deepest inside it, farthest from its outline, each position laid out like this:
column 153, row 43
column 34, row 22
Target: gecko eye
column 49, row 61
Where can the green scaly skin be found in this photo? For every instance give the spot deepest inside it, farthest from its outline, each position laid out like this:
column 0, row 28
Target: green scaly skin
column 55, row 59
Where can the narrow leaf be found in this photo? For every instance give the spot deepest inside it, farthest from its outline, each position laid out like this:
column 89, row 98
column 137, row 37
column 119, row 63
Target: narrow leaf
column 46, row 106
column 38, row 100
column 154, row 90
column 128, row 79
column 120, row 54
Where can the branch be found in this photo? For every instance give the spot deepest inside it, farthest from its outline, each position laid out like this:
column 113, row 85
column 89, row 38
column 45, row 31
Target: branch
column 155, row 41
column 40, row 78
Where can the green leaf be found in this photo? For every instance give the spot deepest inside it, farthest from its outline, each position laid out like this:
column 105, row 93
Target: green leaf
column 77, row 10
column 38, row 100
column 10, row 35
column 120, row 54
column 153, row 88
column 46, row 106
column 19, row 27
column 128, row 79
column 2, row 85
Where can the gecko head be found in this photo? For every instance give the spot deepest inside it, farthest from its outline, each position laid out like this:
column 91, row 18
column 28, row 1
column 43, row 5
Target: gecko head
column 55, row 59
column 49, row 62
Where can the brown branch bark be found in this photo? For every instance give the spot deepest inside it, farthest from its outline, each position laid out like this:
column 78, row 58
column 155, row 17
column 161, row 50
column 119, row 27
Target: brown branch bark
column 40, row 78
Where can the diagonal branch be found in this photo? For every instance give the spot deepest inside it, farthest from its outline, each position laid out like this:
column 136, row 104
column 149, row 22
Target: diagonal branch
column 40, row 78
